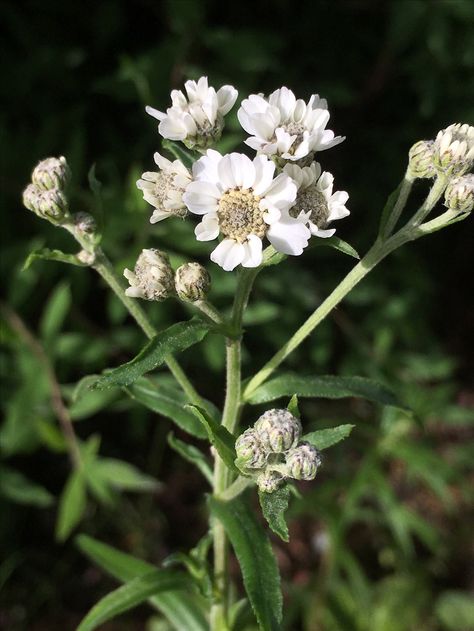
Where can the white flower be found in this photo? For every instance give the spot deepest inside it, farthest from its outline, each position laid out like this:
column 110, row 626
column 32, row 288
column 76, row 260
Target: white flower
column 240, row 199
column 459, row 195
column 315, row 198
column 164, row 189
column 152, row 277
column 286, row 127
column 197, row 119
column 454, row 149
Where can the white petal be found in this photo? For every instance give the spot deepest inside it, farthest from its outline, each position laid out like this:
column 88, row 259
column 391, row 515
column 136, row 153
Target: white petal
column 282, row 192
column 206, row 167
column 264, row 170
column 323, row 234
column 253, row 251
column 159, row 215
column 155, row 113
column 172, row 129
column 161, row 161
column 228, row 254
column 236, row 169
column 208, row 229
column 226, row 97
column 289, row 236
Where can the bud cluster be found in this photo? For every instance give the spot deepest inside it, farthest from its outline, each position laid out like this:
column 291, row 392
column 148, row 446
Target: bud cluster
column 45, row 195
column 459, row 195
column 272, row 451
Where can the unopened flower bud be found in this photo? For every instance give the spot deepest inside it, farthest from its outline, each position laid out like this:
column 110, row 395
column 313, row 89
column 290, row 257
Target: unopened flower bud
column 51, row 205
column 85, row 257
column 250, row 454
column 278, row 430
column 51, row 173
column 454, row 149
column 303, row 461
column 269, row 481
column 421, row 159
column 84, row 223
column 31, row 197
column 459, row 195
column 152, row 278
column 192, row 282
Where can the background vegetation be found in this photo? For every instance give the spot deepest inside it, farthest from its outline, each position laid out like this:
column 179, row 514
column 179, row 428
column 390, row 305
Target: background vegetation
column 381, row 540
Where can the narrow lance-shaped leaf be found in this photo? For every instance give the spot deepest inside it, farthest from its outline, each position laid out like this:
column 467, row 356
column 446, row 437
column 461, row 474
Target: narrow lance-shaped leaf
column 167, row 401
column 324, row 438
column 257, row 561
column 183, row 609
column 326, row 387
column 71, row 505
column 191, row 454
column 180, row 153
column 46, row 254
column 132, row 594
column 273, row 507
column 174, row 339
column 219, row 436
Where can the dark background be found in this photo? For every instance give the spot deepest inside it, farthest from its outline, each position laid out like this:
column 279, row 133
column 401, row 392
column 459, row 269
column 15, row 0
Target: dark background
column 75, row 79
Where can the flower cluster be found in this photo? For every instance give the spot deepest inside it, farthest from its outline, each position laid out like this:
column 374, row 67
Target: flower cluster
column 46, row 196
column 272, row 451
column 450, row 154
column 280, row 195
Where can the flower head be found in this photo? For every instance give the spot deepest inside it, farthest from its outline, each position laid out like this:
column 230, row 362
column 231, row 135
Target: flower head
column 285, row 127
column 250, row 453
column 278, row 430
column 421, row 157
column 454, row 149
column 459, row 195
column 51, row 173
column 49, row 204
column 152, row 277
column 164, row 189
column 192, row 282
column 198, row 118
column 315, row 198
column 303, row 461
column 240, row 199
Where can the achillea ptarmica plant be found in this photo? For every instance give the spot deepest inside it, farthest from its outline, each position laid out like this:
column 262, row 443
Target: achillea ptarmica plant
column 242, row 200
column 164, row 189
column 454, row 149
column 196, row 119
column 285, row 127
column 152, row 277
column 315, row 199
column 459, row 195
column 192, row 282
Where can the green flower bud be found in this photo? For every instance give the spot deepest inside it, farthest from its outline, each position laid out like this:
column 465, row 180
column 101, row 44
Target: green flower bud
column 421, row 159
column 84, row 223
column 459, row 195
column 152, row 278
column 250, row 454
column 454, row 149
column 51, row 173
column 51, row 205
column 303, row 461
column 31, row 197
column 269, row 481
column 192, row 282
column 278, row 430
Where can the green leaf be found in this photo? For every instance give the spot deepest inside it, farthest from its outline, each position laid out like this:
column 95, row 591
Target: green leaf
column 293, row 406
column 254, row 553
column 180, row 153
column 52, row 255
column 219, row 436
column 123, row 476
column 72, row 505
column 338, row 244
column 324, row 438
column 18, row 488
column 455, row 610
column 326, row 386
column 132, row 594
column 273, row 507
column 183, row 609
column 191, row 454
column 167, row 401
column 55, row 312
column 175, row 339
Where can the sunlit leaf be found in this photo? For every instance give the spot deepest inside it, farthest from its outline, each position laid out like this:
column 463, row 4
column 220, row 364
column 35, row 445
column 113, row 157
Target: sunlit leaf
column 324, row 438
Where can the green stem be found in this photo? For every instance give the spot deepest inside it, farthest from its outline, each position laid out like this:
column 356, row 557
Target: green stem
column 405, row 190
column 209, row 310
column 433, row 197
column 104, row 267
column 236, row 488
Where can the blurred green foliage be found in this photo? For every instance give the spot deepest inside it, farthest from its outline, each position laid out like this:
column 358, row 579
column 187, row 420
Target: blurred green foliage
column 381, row 541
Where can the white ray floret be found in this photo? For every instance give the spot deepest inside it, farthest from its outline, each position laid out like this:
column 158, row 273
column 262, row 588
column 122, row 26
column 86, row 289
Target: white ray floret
column 164, row 189
column 315, row 199
column 241, row 200
column 197, row 118
column 286, row 127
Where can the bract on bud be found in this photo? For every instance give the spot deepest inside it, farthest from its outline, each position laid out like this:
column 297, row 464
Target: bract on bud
column 421, row 157
column 278, row 430
column 152, row 277
column 192, row 282
column 454, row 149
column 459, row 195
column 303, row 461
column 269, row 481
column 250, row 454
column 51, row 173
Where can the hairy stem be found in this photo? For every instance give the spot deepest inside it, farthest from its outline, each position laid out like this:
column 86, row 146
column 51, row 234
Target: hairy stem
column 405, row 190
column 57, row 403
